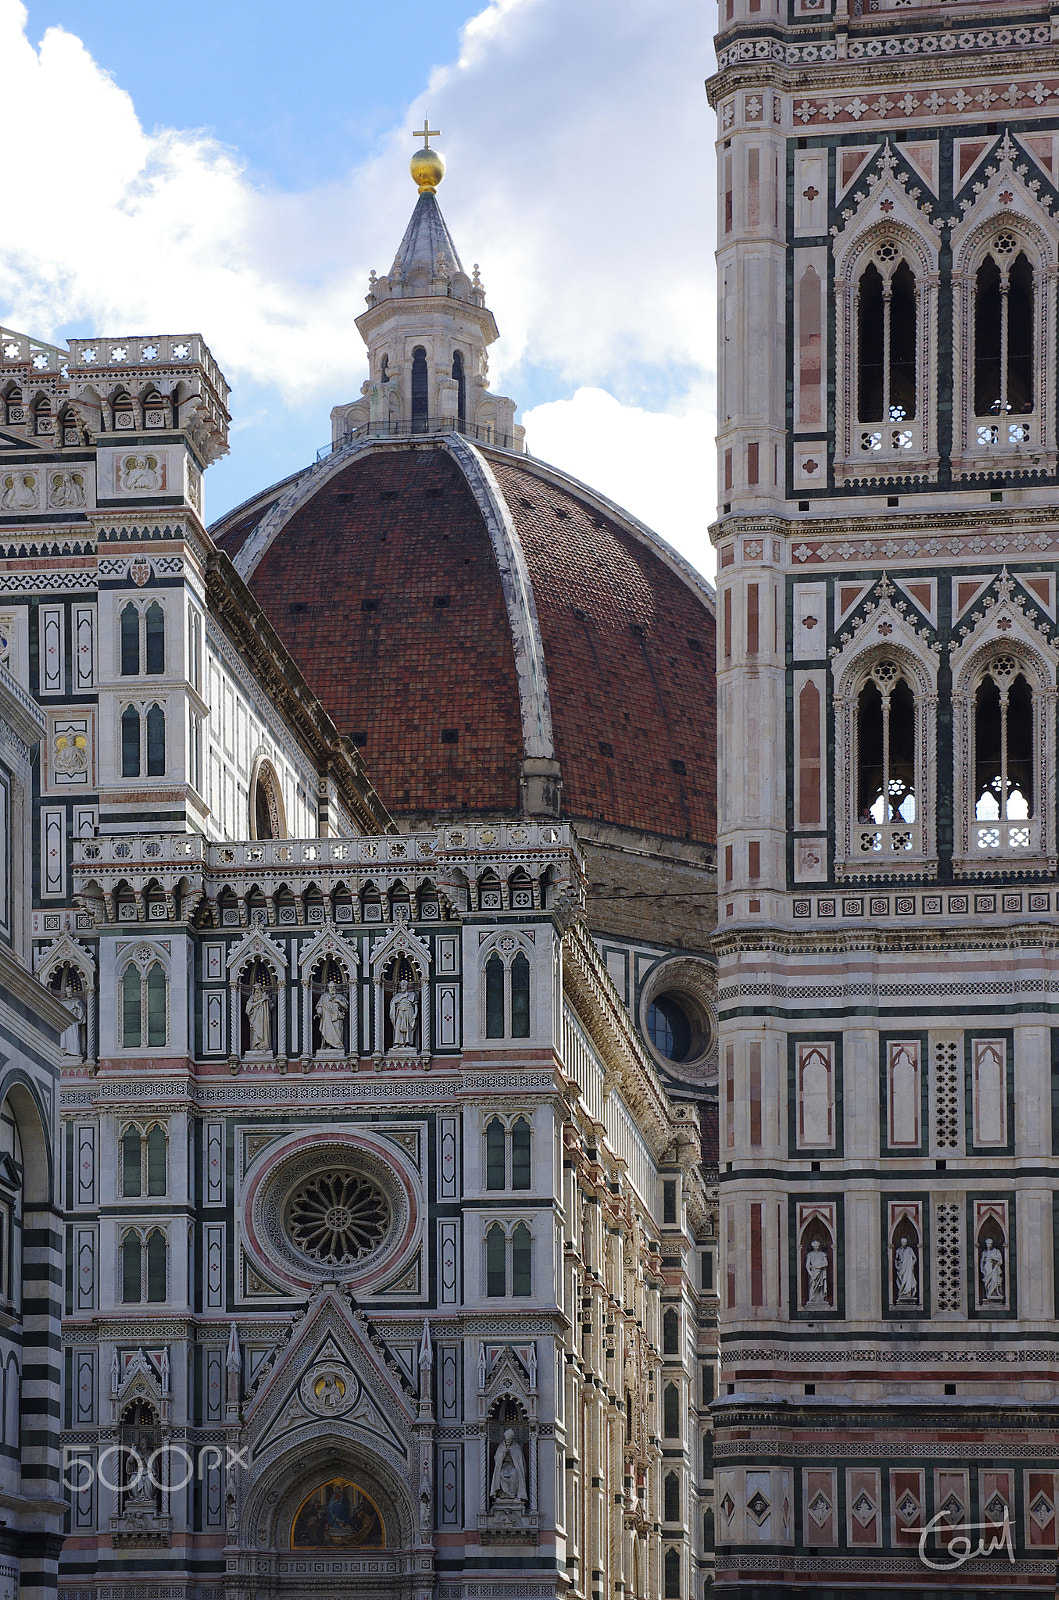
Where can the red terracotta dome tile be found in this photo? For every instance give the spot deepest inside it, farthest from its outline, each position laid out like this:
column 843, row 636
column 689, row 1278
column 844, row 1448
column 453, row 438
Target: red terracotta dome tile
column 385, row 586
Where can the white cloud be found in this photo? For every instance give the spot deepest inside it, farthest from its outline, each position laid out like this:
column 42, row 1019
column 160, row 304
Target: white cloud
column 148, row 233
column 658, row 467
column 579, row 149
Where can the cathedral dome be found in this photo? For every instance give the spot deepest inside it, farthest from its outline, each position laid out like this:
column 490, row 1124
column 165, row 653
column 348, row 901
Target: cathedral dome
column 495, row 636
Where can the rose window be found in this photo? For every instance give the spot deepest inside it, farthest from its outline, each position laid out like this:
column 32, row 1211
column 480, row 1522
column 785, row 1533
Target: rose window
column 338, row 1217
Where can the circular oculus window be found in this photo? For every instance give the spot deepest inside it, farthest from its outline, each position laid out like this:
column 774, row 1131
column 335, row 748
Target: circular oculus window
column 676, row 1015
column 331, row 1209
column 338, row 1218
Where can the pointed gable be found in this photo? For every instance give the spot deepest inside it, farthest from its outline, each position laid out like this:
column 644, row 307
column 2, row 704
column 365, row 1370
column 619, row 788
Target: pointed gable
column 335, row 1373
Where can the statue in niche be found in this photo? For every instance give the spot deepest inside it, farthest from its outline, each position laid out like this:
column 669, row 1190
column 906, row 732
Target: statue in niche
column 67, row 983
column 404, row 1015
column 906, row 1277
column 991, row 1266
column 331, row 1011
column 73, row 1040
column 508, row 1484
column 816, row 1273
column 259, row 1017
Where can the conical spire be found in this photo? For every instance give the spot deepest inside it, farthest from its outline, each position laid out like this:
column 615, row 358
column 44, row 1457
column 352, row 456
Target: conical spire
column 427, row 243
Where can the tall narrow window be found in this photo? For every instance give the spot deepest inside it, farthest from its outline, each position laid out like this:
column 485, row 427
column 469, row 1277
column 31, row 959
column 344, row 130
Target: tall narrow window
column 495, row 1173
column 130, row 1144
column 154, row 631
column 521, row 1260
column 886, row 778
column 520, row 994
column 156, row 1265
column 195, row 752
column 507, row 992
column 1003, row 758
column 420, row 401
column 130, row 641
column 156, row 1018
column 131, row 1032
column 672, row 1497
column 262, row 815
column 130, row 1269
column 671, row 1411
column 143, row 1008
column 886, row 350
column 130, row 742
column 156, row 1153
column 494, row 998
column 461, row 389
column 672, row 1575
column 670, row 1333
column 155, row 742
column 195, row 649
column 495, row 1262
column 870, row 344
column 520, row 1154
column 1003, row 337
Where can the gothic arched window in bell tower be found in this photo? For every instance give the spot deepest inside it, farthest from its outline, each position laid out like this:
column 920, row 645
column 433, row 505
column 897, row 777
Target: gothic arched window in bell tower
column 1003, row 339
column 420, row 397
column 886, row 350
column 1003, row 745
column 886, row 761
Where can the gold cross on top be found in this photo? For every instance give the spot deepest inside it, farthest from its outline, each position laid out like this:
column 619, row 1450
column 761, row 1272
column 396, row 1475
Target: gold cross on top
column 426, row 133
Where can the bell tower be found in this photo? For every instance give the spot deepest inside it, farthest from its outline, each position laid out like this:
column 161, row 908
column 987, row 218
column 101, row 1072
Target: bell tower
column 428, row 330
column 888, row 223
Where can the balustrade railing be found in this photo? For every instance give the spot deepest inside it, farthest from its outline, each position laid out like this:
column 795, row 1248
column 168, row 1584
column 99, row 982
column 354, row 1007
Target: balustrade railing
column 171, row 849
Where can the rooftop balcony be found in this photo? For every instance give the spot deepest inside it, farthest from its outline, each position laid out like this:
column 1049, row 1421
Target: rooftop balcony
column 448, row 870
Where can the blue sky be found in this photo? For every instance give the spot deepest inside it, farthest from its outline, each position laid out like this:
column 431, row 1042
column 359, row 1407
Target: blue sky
column 240, row 168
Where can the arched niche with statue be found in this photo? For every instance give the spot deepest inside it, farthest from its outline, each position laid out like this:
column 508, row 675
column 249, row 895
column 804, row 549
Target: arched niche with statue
column 400, row 971
column 257, row 976
column 330, row 1015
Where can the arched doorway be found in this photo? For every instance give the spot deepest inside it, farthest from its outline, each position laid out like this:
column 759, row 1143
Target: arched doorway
column 335, row 1498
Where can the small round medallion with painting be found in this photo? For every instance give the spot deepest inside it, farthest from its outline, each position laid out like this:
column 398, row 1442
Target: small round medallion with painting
column 329, row 1390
